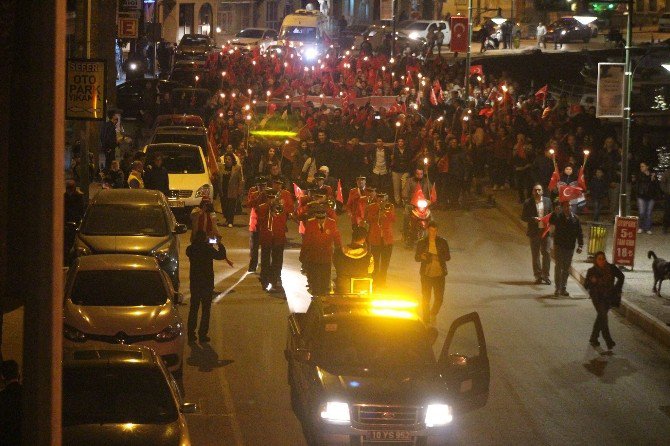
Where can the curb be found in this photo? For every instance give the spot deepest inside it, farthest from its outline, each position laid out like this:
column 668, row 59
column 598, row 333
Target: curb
column 651, row 325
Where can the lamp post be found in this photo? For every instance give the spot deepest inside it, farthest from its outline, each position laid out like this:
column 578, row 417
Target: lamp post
column 468, row 55
column 624, row 205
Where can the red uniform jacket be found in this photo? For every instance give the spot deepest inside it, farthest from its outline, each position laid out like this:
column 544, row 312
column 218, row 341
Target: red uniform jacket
column 317, row 243
column 353, row 205
column 381, row 224
column 271, row 228
column 251, row 196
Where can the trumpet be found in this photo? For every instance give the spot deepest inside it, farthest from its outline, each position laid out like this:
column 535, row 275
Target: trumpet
column 331, row 204
column 386, row 206
column 276, row 206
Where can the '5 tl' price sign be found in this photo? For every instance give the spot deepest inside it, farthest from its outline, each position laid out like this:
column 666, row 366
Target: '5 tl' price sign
column 625, row 235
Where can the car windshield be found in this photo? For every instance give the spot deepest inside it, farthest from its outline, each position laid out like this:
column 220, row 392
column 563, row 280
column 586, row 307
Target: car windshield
column 179, row 160
column 416, row 26
column 299, row 33
column 250, row 33
column 116, row 395
column 376, row 344
column 194, row 40
column 121, row 219
column 118, row 288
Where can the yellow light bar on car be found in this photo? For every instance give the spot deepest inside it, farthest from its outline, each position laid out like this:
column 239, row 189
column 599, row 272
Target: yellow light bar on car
column 274, row 133
column 393, row 304
column 391, row 313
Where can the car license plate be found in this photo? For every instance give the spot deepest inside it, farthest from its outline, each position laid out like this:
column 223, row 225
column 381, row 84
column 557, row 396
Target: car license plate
column 389, row 436
column 177, row 203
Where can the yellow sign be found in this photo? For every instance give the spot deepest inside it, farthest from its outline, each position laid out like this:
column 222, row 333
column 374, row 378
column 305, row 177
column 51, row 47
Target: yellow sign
column 85, row 94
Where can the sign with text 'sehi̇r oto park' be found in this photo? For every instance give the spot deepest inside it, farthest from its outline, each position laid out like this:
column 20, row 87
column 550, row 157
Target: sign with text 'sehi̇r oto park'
column 85, row 89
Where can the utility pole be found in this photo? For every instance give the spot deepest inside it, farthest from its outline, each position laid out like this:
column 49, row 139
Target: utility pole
column 468, row 55
column 393, row 6
column 624, row 204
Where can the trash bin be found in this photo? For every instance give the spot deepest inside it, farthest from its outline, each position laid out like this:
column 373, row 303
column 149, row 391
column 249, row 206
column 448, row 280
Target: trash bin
column 597, row 238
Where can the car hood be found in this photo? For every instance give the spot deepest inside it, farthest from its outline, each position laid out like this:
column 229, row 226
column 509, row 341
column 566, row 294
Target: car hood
column 112, row 320
column 123, row 434
column 401, row 388
column 122, row 244
column 245, row 40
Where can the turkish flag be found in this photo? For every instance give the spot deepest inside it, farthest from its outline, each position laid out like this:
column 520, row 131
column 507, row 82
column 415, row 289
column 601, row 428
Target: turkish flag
column 555, row 177
column 541, row 93
column 297, row 191
column 338, row 196
column 488, row 112
column 459, row 34
column 418, row 195
column 476, row 69
column 409, row 82
column 433, row 194
column 545, row 224
column 568, row 193
column 581, row 180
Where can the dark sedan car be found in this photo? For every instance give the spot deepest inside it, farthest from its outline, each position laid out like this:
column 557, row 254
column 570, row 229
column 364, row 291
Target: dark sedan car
column 362, row 370
column 568, row 29
column 121, row 395
column 139, row 95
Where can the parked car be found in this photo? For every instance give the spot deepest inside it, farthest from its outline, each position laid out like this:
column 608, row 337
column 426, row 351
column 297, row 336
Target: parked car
column 188, row 173
column 177, row 120
column 194, row 47
column 568, row 29
column 377, row 34
column 251, row 38
column 121, row 395
column 136, row 96
column 189, row 74
column 196, row 135
column 664, row 22
column 419, row 28
column 348, row 36
column 123, row 299
column 131, row 221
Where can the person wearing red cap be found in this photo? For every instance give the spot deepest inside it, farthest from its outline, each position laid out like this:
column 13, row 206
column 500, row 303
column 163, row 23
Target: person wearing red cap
column 380, row 218
column 316, row 254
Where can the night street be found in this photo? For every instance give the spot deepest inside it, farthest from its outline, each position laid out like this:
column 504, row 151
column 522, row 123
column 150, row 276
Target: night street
column 548, row 385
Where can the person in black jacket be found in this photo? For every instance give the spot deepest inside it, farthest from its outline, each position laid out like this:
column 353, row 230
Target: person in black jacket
column 568, row 232
column 10, row 404
column 353, row 261
column 108, row 138
column 433, row 253
column 156, row 176
column 605, row 293
column 534, row 209
column 646, row 189
column 201, row 274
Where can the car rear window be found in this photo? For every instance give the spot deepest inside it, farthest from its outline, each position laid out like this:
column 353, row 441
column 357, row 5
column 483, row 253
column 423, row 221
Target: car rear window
column 417, row 26
column 250, row 33
column 116, row 395
column 126, row 288
column 193, row 40
column 179, row 160
column 299, row 33
column 118, row 219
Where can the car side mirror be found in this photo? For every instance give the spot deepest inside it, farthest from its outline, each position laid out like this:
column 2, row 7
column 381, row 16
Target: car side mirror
column 180, row 228
column 189, row 408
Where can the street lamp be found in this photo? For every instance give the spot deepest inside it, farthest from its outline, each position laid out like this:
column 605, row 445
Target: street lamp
column 666, row 66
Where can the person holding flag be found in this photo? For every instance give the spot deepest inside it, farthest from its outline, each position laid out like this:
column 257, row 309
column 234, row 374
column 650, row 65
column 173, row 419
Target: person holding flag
column 535, row 209
column 417, row 187
column 568, row 232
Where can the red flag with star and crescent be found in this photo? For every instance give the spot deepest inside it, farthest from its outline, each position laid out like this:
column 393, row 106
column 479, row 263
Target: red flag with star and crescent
column 568, row 193
column 545, row 222
column 555, row 177
column 418, row 195
column 338, row 196
column 581, row 180
column 459, row 34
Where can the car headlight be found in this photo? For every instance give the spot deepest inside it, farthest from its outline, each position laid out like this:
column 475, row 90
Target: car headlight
column 311, row 53
column 169, row 333
column 438, row 415
column 73, row 334
column 414, row 35
column 204, row 191
column 335, row 412
column 563, row 32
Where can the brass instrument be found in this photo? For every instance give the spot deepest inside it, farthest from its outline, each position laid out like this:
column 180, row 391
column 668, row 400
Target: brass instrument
column 332, row 204
column 386, row 206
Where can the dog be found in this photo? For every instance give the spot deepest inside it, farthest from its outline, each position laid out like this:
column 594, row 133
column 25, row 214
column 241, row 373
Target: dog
column 661, row 269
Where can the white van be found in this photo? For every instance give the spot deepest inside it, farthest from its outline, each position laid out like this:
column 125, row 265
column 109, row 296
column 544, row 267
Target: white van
column 307, row 31
column 187, row 172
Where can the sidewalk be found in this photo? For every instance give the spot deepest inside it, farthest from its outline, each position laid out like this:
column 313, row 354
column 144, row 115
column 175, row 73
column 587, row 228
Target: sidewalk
column 639, row 304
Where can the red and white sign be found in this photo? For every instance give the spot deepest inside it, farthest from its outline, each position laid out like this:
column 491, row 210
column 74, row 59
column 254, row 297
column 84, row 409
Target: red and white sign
column 127, row 28
column 459, row 34
column 625, row 235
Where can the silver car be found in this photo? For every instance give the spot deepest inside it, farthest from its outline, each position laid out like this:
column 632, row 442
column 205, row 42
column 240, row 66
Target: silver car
column 121, row 395
column 122, row 299
column 131, row 221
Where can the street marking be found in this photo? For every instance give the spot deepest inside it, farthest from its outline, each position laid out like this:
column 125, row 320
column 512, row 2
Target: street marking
column 228, row 401
column 230, row 288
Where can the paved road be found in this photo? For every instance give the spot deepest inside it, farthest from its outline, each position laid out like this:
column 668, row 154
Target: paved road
column 548, row 385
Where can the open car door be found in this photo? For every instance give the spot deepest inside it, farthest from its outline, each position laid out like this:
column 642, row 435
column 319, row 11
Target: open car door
column 464, row 363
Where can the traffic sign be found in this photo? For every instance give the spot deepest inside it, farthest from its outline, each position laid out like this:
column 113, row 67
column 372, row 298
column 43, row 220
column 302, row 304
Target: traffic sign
column 85, row 95
column 127, row 28
column 625, row 236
